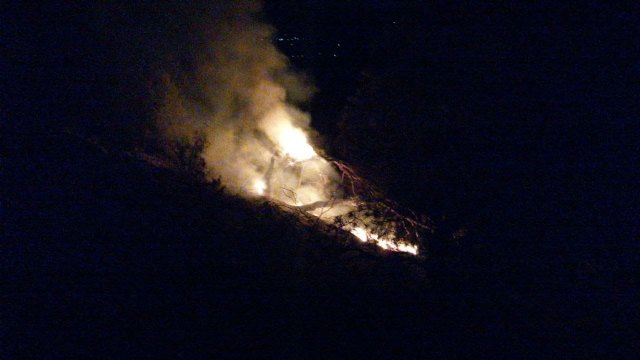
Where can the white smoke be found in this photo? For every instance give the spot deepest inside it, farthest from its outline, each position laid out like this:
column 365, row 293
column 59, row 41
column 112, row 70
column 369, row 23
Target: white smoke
column 239, row 97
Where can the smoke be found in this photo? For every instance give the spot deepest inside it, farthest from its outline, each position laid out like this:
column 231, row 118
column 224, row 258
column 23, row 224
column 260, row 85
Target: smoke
column 240, row 95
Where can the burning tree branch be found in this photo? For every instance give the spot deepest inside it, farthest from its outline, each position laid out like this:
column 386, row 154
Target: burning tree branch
column 370, row 216
column 382, row 216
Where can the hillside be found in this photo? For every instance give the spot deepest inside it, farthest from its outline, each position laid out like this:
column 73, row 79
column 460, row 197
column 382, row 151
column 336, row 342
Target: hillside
column 106, row 255
column 97, row 240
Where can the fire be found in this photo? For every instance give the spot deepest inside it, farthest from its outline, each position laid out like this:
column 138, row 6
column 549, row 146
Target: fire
column 259, row 187
column 365, row 236
column 294, row 143
column 399, row 246
column 257, row 143
column 287, row 176
column 360, row 233
column 279, row 125
column 298, row 176
column 293, row 185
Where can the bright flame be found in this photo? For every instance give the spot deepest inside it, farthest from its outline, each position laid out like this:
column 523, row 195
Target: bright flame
column 294, row 143
column 279, row 126
column 399, row 246
column 259, row 186
column 293, row 185
column 364, row 236
column 360, row 233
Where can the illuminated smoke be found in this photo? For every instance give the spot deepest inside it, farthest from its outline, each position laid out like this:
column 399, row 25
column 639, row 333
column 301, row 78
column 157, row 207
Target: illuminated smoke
column 239, row 98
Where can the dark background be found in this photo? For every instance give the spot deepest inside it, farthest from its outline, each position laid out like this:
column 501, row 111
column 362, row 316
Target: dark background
column 516, row 122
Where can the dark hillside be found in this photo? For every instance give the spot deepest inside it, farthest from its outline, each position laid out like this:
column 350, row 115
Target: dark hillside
column 103, row 243
column 105, row 256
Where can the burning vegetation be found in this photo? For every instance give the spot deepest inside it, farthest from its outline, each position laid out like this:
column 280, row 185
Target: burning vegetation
column 298, row 177
column 242, row 98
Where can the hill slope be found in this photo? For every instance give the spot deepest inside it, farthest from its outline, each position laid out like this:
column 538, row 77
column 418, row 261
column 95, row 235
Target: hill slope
column 100, row 243
column 105, row 255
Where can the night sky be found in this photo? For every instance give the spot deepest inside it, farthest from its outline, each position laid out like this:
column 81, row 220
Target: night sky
column 515, row 123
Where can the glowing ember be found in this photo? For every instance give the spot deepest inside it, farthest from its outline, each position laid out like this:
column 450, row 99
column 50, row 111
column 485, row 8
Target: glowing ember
column 259, row 186
column 294, row 143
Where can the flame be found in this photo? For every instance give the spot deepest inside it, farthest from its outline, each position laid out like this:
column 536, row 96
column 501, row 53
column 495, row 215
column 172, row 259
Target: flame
column 401, row 246
column 360, row 233
column 279, row 126
column 294, row 143
column 259, row 186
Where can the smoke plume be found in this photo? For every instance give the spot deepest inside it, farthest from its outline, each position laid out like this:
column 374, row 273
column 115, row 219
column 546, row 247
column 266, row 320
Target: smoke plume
column 240, row 94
